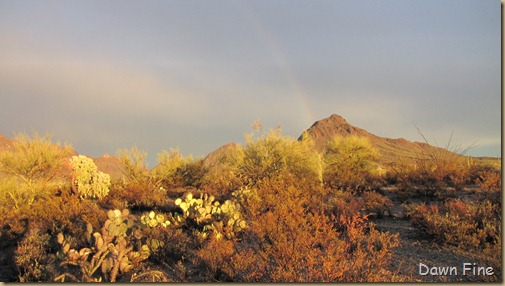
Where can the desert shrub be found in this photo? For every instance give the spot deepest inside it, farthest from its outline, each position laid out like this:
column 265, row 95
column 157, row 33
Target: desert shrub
column 33, row 258
column 348, row 162
column 469, row 225
column 272, row 155
column 136, row 196
column 176, row 243
column 376, row 203
column 14, row 195
column 477, row 169
column 174, row 170
column 489, row 184
column 33, row 163
column 439, row 168
column 426, row 178
column 221, row 175
column 213, row 259
column 135, row 167
column 87, row 181
column 68, row 214
column 302, row 245
column 343, row 203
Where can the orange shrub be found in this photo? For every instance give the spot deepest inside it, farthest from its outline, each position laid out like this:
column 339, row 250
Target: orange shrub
column 467, row 225
column 376, row 203
column 32, row 257
column 489, row 183
column 299, row 245
column 213, row 259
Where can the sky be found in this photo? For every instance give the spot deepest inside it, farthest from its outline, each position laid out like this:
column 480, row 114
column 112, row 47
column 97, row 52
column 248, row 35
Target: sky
column 105, row 75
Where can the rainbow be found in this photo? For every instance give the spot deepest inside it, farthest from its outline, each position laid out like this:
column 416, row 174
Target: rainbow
column 280, row 60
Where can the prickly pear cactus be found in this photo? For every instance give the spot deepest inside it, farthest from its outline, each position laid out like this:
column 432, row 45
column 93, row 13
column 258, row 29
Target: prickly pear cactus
column 153, row 220
column 112, row 250
column 223, row 219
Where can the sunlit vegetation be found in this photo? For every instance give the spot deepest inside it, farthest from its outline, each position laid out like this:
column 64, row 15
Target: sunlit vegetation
column 349, row 162
column 272, row 210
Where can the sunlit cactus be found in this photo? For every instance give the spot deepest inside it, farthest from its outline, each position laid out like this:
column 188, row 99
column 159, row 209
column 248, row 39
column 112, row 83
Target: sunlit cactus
column 153, row 220
column 222, row 219
column 112, row 250
column 87, row 181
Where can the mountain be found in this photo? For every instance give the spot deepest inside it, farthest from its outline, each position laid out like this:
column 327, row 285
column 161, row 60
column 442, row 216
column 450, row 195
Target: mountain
column 110, row 165
column 391, row 150
column 5, row 143
column 220, row 155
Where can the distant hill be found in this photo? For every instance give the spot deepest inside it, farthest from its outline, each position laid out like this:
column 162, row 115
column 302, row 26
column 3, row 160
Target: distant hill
column 391, row 150
column 5, row 143
column 110, row 165
column 220, row 155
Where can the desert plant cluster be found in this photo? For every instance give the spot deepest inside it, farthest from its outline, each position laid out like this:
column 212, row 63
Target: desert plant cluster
column 272, row 210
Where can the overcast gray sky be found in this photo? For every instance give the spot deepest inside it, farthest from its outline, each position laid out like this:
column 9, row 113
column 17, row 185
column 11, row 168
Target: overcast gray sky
column 105, row 75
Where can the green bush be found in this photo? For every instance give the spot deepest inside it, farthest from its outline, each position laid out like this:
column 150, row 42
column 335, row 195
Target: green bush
column 30, row 169
column 272, row 155
column 87, row 181
column 170, row 168
column 348, row 162
column 135, row 167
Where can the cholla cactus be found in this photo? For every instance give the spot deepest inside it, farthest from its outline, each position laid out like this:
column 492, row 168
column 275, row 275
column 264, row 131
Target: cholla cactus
column 87, row 181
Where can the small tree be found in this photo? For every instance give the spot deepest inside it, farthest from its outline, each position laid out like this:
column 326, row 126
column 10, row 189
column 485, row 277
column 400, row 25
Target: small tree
column 31, row 164
column 272, row 155
column 134, row 162
column 175, row 170
column 87, row 181
column 34, row 159
column 348, row 161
